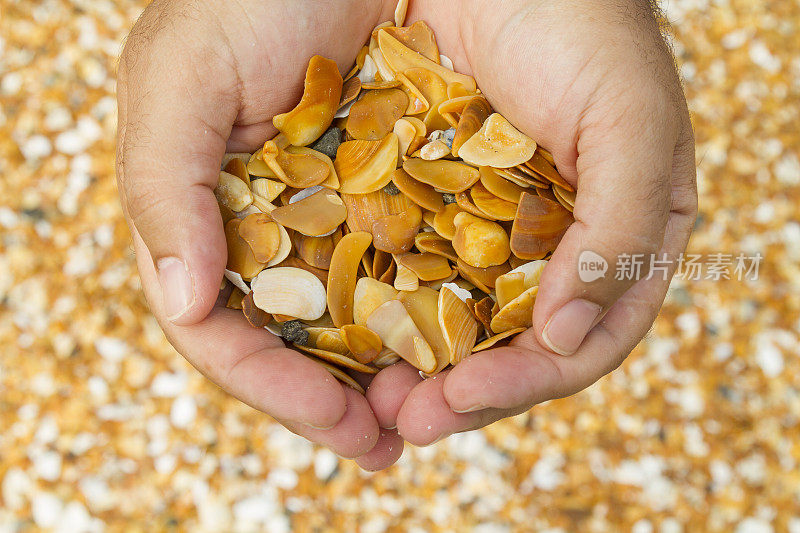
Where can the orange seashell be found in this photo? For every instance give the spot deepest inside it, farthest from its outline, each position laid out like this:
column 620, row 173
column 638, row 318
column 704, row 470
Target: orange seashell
column 342, row 276
column 235, row 299
column 337, row 359
column 444, row 175
column 296, row 262
column 395, row 233
column 518, row 313
column 316, row 251
column 472, row 118
column 427, row 266
column 482, row 311
column 543, row 167
column 369, row 294
column 422, row 306
column 495, row 207
column 480, row 243
column 417, row 37
column 350, row 90
column 497, row 144
column 295, row 170
column 459, row 327
column 366, row 166
column 443, row 221
column 431, row 242
column 420, row 193
column 313, row 115
column 483, row 278
column 399, row 333
column 464, row 201
column 373, row 116
column 362, row 342
column 538, row 226
column 499, row 186
column 262, row 235
column 316, row 215
column 238, row 168
column 258, row 318
column 240, row 256
column 232, row 192
column 493, row 340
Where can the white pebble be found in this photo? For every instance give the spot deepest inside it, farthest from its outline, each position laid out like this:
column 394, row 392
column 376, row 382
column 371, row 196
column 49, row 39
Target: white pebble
column 183, row 412
column 8, row 217
column 325, row 463
column 169, row 384
column 36, row 147
column 15, row 488
column 770, row 359
column 46, row 509
column 58, row 119
column 11, row 84
column 111, row 348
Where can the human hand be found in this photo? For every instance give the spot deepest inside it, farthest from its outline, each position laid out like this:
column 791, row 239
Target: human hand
column 595, row 84
column 197, row 79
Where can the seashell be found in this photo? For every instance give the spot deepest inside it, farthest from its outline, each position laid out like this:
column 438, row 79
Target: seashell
column 438, row 283
column 267, row 188
column 368, row 295
column 463, row 294
column 455, row 105
column 418, row 37
column 339, row 374
column 427, row 218
column 289, row 291
column 390, row 273
column 255, row 316
column 386, row 358
column 509, row 286
column 500, row 187
column 451, row 119
column 443, row 221
column 521, row 178
column 385, row 72
column 362, row 342
column 472, row 118
column 284, row 247
column 295, row 170
column 457, row 90
column 314, row 114
column 434, row 91
column 393, row 220
column 431, row 242
column 366, row 166
column 497, row 144
column 373, row 116
column 380, row 263
column 518, row 313
column 316, row 251
column 373, row 85
column 405, row 132
column 405, row 279
column 395, row 233
column 547, row 194
column 564, row 197
column 416, row 144
column 418, row 124
column 369, row 69
column 319, row 214
column 444, row 175
column 446, row 62
column 257, row 167
column 464, row 201
column 420, row 193
column 482, row 311
column 350, row 91
column 240, row 256
column 235, row 299
column 401, row 58
column 422, row 306
column 532, row 271
column 495, row 207
column 296, row 262
column 538, row 226
column 302, row 194
column 399, row 333
column 342, row 275
column 417, row 103
column 544, row 168
column 232, row 192
column 426, row 266
column 330, row 339
column 244, row 157
column 236, row 280
column 226, row 213
column 434, row 150
column 483, row 278
column 480, row 243
column 262, row 235
column 459, row 328
column 337, row 359
column 332, row 181
column 494, row 339
column 238, row 168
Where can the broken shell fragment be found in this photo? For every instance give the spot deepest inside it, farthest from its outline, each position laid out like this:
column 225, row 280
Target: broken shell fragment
column 316, row 251
column 257, row 318
column 423, row 305
column 499, row 186
column 317, row 215
column 337, row 359
column 434, row 150
column 543, row 167
column 373, row 116
column 339, row 374
column 426, row 266
column 312, row 116
column 495, row 207
column 497, row 144
column 240, row 256
column 398, row 332
column 420, row 193
column 364, row 343
column 459, row 328
column 295, row 170
column 289, row 291
column 232, row 192
column 262, row 234
column 443, row 221
column 518, row 313
column 483, row 278
column 366, row 166
column 434, row 243
column 368, row 295
column 494, row 339
column 267, row 188
column 442, row 174
column 342, row 275
column 509, row 286
column 350, row 91
column 405, row 279
column 538, row 226
column 472, row 118
column 418, row 37
column 480, row 243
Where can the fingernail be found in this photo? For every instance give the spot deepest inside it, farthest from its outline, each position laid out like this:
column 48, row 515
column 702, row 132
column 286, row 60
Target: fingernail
column 568, row 326
column 474, row 408
column 176, row 286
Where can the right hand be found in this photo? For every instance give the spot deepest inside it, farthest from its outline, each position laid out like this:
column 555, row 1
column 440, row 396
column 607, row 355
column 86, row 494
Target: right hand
column 197, row 79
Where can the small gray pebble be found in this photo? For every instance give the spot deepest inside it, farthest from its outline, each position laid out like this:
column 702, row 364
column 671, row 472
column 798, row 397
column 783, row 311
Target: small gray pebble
column 329, row 142
column 291, row 330
column 448, row 198
column 391, row 189
column 301, row 338
column 448, row 136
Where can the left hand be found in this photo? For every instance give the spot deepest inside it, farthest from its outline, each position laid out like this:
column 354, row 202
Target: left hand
column 594, row 83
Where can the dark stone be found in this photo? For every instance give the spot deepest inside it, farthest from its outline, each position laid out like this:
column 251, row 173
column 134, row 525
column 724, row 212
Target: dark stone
column 448, row 198
column 329, row 142
column 291, row 330
column 391, row 189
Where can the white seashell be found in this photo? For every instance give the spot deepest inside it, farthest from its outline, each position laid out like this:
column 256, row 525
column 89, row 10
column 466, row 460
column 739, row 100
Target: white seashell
column 400, row 12
column 273, row 328
column 344, row 111
column 462, row 293
column 368, row 71
column 249, row 210
column 532, row 270
column 236, row 279
column 383, row 67
column 289, row 291
column 284, row 248
column 446, row 62
column 305, row 193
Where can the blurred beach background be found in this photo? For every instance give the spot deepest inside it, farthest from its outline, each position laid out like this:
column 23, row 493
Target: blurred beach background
column 103, row 426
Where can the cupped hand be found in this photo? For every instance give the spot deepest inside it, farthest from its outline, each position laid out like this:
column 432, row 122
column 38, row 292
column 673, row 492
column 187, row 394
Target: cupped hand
column 595, row 84
column 197, row 79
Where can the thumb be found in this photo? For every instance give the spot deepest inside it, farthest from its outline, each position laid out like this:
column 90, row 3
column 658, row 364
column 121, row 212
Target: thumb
column 621, row 211
column 171, row 139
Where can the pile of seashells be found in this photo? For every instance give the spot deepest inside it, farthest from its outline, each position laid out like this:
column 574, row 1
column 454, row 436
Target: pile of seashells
column 395, row 215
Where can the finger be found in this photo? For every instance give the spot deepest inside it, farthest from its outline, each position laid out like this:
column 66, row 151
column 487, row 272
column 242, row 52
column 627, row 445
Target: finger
column 388, row 391
column 526, row 373
column 386, row 452
column 426, row 417
column 623, row 203
column 353, row 436
column 171, row 141
column 249, row 363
